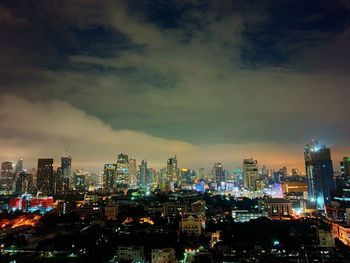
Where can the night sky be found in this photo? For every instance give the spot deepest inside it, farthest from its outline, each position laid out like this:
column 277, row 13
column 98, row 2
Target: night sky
column 209, row 81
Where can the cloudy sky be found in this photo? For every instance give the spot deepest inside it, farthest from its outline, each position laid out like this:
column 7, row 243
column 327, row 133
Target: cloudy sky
column 208, row 80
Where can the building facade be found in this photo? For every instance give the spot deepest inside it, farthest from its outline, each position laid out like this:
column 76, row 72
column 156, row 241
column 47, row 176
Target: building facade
column 45, row 176
column 250, row 175
column 319, row 173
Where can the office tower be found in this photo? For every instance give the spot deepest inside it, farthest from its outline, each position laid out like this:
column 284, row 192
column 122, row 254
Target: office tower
column 345, row 167
column 237, row 176
column 172, row 171
column 132, row 173
column 45, row 177
column 143, row 174
column 219, row 173
column 24, row 182
column 80, row 178
column 163, row 180
column 250, row 174
column 66, row 172
column 122, row 175
column 319, row 173
column 19, row 166
column 109, row 172
column 152, row 177
column 7, row 176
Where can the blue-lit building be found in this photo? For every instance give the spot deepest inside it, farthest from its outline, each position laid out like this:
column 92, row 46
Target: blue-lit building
column 319, row 173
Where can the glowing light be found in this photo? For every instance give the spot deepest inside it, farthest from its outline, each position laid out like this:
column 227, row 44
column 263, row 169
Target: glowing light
column 146, row 220
column 24, row 220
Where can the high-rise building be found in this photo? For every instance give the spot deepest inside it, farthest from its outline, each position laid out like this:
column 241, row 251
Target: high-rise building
column 143, row 174
column 132, row 173
column 109, row 172
column 80, row 178
column 250, row 174
column 19, row 166
column 172, row 171
column 45, row 176
column 219, row 173
column 122, row 175
column 345, row 167
column 319, row 173
column 66, row 170
column 7, row 176
column 24, row 182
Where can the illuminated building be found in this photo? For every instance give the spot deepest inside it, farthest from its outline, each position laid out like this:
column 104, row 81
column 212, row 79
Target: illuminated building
column 130, row 254
column 279, row 208
column 344, row 178
column 171, row 170
column 80, row 177
column 246, row 215
column 325, row 238
column 219, row 174
column 45, row 178
column 250, row 174
column 19, row 166
column 7, row 177
column 319, row 173
column 165, row 255
column 174, row 209
column 288, row 187
column 342, row 232
column 143, row 175
column 132, row 173
column 66, row 172
column 108, row 176
column 191, row 224
column 24, row 182
column 198, row 208
column 111, row 211
column 90, row 198
column 346, row 167
column 295, row 172
column 122, row 175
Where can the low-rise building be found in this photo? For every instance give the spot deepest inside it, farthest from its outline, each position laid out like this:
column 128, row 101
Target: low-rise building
column 111, row 211
column 166, row 255
column 279, row 208
column 132, row 253
column 191, row 224
column 246, row 215
column 174, row 209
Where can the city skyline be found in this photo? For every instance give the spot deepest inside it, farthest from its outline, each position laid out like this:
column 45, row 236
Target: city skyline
column 207, row 81
column 230, row 166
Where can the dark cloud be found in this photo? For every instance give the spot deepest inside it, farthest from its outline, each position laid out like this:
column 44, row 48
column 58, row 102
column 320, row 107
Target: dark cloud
column 195, row 74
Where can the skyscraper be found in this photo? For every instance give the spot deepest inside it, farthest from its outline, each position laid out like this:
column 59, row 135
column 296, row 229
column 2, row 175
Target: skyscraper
column 7, row 177
column 172, row 171
column 219, row 173
column 132, row 173
column 80, row 177
column 45, row 177
column 143, row 174
column 250, row 174
column 319, row 173
column 345, row 167
column 122, row 176
column 66, row 170
column 19, row 166
column 109, row 172
column 24, row 182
